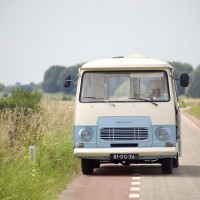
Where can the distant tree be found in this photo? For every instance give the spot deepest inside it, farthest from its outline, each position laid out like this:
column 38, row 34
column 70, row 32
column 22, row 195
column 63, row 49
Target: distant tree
column 194, row 86
column 179, row 69
column 72, row 71
column 50, row 82
column 55, row 76
column 1, row 87
column 32, row 87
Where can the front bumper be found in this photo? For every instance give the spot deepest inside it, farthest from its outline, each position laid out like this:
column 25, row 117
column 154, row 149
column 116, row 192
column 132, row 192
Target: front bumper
column 142, row 152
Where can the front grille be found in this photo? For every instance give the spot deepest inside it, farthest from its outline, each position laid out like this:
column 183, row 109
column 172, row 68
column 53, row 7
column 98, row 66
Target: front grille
column 129, row 133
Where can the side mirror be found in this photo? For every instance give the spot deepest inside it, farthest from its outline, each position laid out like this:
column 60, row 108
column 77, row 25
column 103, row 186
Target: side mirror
column 184, row 80
column 67, row 81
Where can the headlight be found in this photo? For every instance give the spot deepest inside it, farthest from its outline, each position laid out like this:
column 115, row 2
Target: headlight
column 86, row 134
column 162, row 134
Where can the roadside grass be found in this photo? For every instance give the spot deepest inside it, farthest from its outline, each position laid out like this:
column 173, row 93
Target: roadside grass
column 191, row 101
column 195, row 110
column 57, row 96
column 182, row 103
column 192, row 106
column 50, row 131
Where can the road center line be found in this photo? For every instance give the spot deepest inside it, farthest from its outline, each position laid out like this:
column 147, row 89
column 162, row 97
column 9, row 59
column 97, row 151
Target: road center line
column 136, row 178
column 135, row 187
column 134, row 196
column 135, row 183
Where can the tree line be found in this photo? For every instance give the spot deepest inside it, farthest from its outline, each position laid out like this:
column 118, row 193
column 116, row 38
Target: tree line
column 55, row 75
column 193, row 89
column 54, row 79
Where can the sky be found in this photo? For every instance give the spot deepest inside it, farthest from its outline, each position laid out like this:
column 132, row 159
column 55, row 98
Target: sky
column 37, row 34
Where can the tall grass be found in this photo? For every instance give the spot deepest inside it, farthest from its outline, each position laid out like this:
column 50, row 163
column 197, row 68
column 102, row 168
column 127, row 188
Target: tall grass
column 190, row 102
column 50, row 130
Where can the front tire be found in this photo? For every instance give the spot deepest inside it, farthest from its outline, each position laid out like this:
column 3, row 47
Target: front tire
column 167, row 164
column 87, row 166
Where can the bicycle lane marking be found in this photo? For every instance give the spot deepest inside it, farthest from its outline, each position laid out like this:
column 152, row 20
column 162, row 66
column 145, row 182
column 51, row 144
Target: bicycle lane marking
column 135, row 185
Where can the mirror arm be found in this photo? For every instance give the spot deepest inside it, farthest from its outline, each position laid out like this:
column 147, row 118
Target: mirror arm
column 72, row 80
column 176, row 79
column 68, row 81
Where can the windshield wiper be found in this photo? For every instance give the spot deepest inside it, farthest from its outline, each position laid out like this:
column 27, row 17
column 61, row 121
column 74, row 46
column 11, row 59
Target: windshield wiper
column 100, row 99
column 143, row 99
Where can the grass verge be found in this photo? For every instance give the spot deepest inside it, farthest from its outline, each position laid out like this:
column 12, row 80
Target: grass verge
column 55, row 166
column 192, row 106
column 195, row 110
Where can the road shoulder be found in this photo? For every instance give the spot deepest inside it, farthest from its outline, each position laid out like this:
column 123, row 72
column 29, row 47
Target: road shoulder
column 193, row 119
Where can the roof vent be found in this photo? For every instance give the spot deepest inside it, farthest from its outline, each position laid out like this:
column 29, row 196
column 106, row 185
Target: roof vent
column 136, row 56
column 118, row 57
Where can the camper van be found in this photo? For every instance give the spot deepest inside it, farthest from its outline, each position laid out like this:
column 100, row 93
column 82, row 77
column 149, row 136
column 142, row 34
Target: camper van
column 127, row 112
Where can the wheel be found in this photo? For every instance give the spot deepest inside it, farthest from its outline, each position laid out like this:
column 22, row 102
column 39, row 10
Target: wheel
column 176, row 162
column 167, row 164
column 96, row 164
column 87, row 166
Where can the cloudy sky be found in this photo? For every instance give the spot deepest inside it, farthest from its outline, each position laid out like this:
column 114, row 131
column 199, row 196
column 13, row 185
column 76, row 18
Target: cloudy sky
column 36, row 34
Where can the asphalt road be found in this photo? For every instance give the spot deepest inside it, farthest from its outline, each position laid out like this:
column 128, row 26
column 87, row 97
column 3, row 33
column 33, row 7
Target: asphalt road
column 145, row 182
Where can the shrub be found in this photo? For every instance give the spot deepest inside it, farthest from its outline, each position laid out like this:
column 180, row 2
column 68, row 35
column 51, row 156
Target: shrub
column 182, row 103
column 21, row 98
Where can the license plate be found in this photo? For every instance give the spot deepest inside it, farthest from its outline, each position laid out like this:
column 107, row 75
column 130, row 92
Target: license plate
column 123, row 156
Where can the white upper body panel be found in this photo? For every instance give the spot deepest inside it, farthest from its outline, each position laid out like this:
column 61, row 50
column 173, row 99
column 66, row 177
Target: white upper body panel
column 127, row 62
column 163, row 113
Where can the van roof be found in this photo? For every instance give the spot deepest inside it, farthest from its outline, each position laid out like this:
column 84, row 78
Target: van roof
column 127, row 62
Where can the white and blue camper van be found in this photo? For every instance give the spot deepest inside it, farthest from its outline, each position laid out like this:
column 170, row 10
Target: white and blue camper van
column 127, row 112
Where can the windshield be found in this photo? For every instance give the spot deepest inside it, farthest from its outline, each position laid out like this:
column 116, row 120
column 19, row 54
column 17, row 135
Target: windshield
column 124, row 87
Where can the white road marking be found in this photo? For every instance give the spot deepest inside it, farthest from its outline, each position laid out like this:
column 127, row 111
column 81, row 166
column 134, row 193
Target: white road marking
column 134, row 195
column 135, row 183
column 136, row 178
column 134, row 189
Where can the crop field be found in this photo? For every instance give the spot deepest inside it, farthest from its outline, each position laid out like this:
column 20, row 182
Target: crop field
column 45, row 172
